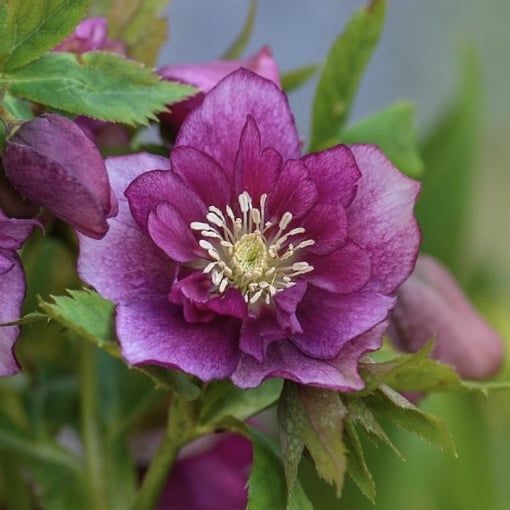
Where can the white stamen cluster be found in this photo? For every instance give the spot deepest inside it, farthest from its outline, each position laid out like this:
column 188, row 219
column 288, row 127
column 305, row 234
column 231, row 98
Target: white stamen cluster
column 243, row 253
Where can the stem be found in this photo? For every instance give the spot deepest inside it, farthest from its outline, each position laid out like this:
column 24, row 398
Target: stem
column 90, row 426
column 181, row 429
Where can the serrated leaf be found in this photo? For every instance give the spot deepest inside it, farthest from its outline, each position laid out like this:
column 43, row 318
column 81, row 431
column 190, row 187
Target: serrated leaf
column 450, row 153
column 266, row 485
column 360, row 414
column 129, row 20
column 292, row 424
column 28, row 320
column 294, row 79
column 342, row 73
column 391, row 405
column 222, row 398
column 87, row 313
column 238, row 46
column 394, row 131
column 171, row 380
column 34, row 27
column 313, row 417
column 100, row 85
column 356, row 466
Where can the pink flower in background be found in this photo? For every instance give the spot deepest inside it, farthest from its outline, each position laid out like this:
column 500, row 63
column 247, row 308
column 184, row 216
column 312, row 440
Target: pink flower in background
column 206, row 75
column 13, row 233
column 431, row 304
column 238, row 258
column 212, row 479
column 91, row 35
column 50, row 161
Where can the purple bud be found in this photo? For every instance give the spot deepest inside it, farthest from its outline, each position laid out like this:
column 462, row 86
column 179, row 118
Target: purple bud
column 431, row 304
column 54, row 164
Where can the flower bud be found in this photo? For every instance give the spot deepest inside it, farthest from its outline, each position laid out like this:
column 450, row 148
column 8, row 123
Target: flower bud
column 51, row 161
column 431, row 304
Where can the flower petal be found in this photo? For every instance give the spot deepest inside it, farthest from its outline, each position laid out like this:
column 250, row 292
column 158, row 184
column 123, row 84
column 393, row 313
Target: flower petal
column 12, row 292
column 215, row 126
column 203, row 175
column 335, row 172
column 330, row 320
column 344, row 271
column 150, row 189
column 154, row 331
column 381, row 218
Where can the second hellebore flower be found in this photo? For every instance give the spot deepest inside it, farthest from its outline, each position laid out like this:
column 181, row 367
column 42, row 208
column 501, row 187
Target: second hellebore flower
column 239, row 258
column 13, row 233
column 51, row 161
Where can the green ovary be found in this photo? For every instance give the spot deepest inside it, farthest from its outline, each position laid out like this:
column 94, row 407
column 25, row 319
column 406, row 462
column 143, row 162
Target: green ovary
column 250, row 254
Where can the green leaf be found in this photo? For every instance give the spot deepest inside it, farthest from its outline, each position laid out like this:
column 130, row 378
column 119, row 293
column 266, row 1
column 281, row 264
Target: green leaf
column 171, row 380
column 342, row 73
column 266, row 486
column 100, row 85
column 222, row 398
column 17, row 107
column 238, row 46
column 34, row 27
column 360, row 414
column 28, row 320
column 356, row 466
column 87, row 313
column 313, row 417
column 129, row 20
column 394, row 131
column 292, row 80
column 450, row 153
column 391, row 405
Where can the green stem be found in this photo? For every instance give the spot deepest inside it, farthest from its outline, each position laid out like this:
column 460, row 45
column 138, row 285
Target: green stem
column 92, row 437
column 181, row 429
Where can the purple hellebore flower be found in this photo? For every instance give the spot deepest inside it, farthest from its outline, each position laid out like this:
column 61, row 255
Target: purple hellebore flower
column 53, row 163
column 430, row 303
column 13, row 233
column 239, row 258
column 212, row 479
column 91, row 35
column 206, row 75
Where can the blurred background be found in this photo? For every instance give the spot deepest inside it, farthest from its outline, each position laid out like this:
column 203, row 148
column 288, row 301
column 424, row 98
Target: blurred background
column 463, row 111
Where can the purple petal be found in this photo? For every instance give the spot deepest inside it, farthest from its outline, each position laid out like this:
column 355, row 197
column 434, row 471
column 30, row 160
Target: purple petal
column 14, row 232
column 230, row 303
column 381, row 218
column 294, row 192
column 326, row 224
column 335, row 172
column 12, row 292
column 255, row 170
column 172, row 233
column 150, row 189
column 215, row 126
column 330, row 320
column 203, row 175
column 344, row 271
column 154, row 331
column 286, row 304
column 284, row 360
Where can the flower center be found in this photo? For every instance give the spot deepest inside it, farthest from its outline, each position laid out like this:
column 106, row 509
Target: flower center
column 250, row 253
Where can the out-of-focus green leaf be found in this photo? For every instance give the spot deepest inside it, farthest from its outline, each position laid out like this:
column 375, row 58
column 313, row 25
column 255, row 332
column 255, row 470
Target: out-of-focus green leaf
column 356, row 466
column 34, row 27
column 222, row 398
column 171, row 380
column 292, row 80
column 266, row 486
column 342, row 72
column 450, row 154
column 100, row 85
column 238, row 46
column 391, row 405
column 139, row 24
column 17, row 107
column 394, row 131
